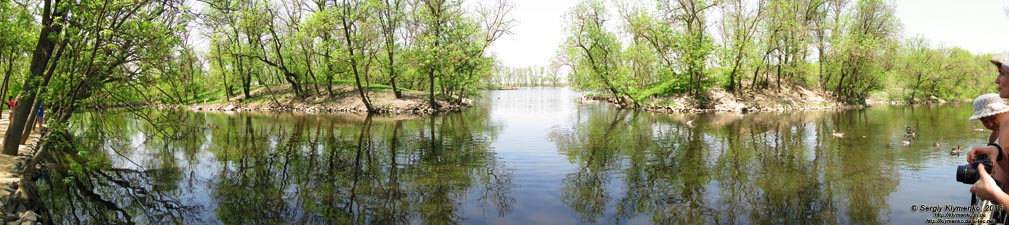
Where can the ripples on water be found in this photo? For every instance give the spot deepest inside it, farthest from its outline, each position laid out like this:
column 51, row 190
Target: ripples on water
column 530, row 156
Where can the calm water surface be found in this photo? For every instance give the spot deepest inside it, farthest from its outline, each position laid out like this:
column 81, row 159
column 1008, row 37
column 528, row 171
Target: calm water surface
column 530, row 156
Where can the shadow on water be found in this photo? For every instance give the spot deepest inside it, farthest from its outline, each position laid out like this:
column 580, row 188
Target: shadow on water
column 587, row 164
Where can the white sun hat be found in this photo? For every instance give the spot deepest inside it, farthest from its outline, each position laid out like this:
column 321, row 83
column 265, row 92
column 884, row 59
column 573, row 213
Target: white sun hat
column 1000, row 60
column 987, row 105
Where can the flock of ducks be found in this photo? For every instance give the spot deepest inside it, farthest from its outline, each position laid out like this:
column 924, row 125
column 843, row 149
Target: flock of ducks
column 909, row 133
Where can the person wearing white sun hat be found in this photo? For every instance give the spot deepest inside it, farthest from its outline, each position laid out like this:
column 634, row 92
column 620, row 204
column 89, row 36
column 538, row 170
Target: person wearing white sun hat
column 990, row 109
column 986, row 109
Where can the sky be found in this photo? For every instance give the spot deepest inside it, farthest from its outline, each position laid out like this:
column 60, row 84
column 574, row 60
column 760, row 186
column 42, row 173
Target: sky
column 980, row 26
column 538, row 31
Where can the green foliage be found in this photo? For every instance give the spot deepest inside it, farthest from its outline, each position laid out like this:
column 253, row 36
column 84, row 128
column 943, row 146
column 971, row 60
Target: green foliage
column 595, row 52
column 845, row 49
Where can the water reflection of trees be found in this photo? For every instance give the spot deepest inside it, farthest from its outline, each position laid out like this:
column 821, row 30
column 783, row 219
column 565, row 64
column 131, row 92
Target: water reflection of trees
column 762, row 168
column 281, row 168
column 89, row 186
column 340, row 170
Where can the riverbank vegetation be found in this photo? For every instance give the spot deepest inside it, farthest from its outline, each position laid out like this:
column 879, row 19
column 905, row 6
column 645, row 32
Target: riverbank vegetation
column 647, row 54
column 65, row 56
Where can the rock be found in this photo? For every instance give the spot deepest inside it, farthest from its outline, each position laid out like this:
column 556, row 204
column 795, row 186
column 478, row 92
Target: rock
column 28, row 218
column 228, row 108
column 9, row 181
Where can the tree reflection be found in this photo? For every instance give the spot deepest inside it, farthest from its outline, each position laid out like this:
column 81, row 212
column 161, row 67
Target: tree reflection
column 283, row 168
column 753, row 169
column 86, row 186
column 363, row 180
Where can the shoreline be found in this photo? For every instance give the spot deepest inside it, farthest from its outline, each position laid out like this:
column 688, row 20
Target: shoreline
column 786, row 100
column 415, row 103
column 344, row 99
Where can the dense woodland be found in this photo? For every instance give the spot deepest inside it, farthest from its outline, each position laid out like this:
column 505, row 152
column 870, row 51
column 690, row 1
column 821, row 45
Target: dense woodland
column 847, row 49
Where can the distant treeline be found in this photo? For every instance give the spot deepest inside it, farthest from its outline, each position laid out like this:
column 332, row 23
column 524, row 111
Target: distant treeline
column 532, row 76
column 850, row 50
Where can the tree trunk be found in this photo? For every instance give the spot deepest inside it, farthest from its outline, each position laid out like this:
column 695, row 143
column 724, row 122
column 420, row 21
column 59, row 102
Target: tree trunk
column 353, row 62
column 392, row 74
column 308, row 64
column 40, row 59
column 31, row 123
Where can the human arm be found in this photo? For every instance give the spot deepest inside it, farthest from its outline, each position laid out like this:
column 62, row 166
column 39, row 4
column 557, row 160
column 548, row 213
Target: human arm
column 986, row 189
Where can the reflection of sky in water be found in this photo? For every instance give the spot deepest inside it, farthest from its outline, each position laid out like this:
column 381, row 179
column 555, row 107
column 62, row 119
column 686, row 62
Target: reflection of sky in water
column 198, row 171
column 934, row 184
column 528, row 117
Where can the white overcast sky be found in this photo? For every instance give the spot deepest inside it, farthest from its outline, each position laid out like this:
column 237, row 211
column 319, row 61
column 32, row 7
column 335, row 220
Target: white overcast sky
column 980, row 26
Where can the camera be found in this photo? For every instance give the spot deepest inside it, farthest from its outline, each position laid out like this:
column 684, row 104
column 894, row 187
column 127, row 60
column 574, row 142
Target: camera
column 968, row 173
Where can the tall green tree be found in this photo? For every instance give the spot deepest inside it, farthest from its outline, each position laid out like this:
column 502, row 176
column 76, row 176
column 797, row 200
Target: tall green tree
column 357, row 36
column 696, row 45
column 597, row 49
column 871, row 35
column 739, row 32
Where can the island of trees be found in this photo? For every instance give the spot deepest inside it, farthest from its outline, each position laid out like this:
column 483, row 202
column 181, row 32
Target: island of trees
column 846, row 50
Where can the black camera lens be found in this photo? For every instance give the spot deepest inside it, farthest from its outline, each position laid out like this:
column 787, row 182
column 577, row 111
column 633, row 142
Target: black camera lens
column 968, row 173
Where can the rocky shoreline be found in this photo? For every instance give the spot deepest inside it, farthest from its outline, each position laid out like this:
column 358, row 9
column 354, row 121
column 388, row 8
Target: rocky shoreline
column 413, row 109
column 795, row 100
column 736, row 108
column 13, row 196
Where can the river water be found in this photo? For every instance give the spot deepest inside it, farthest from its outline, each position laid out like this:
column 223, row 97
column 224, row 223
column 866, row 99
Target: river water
column 529, row 156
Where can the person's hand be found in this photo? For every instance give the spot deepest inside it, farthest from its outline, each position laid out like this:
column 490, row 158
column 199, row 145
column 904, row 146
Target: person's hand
column 981, row 150
column 985, row 187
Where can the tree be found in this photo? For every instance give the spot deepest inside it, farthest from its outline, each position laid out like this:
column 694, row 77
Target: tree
column 870, row 34
column 696, row 45
column 52, row 13
column 354, row 33
column 597, row 48
column 739, row 30
column 391, row 16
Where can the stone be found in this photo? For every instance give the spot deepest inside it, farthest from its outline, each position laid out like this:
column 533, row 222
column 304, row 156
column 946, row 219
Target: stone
column 28, row 218
column 9, row 181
